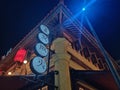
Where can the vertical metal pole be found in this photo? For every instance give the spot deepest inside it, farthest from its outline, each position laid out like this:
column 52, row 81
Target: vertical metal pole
column 49, row 53
column 108, row 60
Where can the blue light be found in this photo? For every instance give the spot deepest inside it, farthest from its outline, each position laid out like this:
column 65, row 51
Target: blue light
column 83, row 9
column 81, row 12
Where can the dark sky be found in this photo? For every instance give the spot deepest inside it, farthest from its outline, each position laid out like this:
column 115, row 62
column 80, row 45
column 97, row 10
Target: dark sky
column 18, row 17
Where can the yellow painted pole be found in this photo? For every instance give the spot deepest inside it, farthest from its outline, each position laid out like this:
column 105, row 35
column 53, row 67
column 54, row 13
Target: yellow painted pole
column 61, row 60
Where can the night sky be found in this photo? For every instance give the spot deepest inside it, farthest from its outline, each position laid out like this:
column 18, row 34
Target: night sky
column 18, row 17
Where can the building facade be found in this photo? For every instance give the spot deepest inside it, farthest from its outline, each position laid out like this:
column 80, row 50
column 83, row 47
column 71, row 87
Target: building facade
column 73, row 55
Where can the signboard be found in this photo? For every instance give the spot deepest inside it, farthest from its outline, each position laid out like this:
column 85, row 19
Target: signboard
column 41, row 49
column 44, row 29
column 20, row 55
column 43, row 38
column 38, row 65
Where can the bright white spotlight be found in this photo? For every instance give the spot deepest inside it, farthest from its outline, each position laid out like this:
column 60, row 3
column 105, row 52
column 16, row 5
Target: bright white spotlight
column 83, row 9
column 9, row 73
column 25, row 61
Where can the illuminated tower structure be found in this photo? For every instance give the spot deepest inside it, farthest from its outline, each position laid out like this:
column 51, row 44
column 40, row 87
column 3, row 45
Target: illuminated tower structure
column 74, row 54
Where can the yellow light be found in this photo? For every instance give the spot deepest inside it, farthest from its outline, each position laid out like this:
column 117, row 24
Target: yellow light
column 9, row 73
column 25, row 61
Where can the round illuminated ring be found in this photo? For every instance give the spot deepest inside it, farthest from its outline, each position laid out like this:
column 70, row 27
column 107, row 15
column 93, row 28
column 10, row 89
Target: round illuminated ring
column 44, row 29
column 41, row 49
column 43, row 38
column 38, row 65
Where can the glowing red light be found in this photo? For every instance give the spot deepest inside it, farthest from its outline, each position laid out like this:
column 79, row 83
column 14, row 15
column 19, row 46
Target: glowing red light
column 20, row 55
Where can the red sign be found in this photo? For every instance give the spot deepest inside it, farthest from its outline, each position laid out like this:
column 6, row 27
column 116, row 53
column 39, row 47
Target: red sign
column 20, row 55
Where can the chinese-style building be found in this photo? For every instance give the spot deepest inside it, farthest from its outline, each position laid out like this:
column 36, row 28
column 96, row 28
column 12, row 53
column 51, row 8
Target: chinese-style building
column 74, row 59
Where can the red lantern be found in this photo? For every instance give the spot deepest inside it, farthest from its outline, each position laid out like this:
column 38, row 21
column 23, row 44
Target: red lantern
column 20, row 55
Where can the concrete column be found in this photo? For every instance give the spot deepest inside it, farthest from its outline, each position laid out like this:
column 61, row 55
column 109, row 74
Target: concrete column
column 61, row 61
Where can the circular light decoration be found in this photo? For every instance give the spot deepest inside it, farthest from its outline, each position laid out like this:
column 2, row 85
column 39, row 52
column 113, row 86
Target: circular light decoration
column 41, row 49
column 43, row 38
column 38, row 65
column 44, row 29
